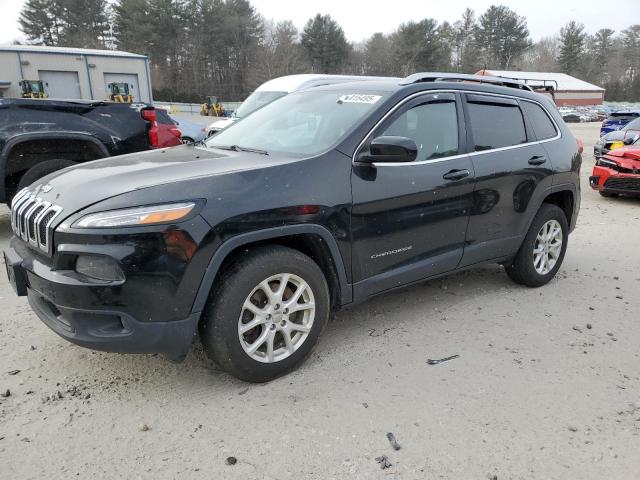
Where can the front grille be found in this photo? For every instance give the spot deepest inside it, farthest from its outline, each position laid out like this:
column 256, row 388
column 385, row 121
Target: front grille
column 31, row 219
column 623, row 184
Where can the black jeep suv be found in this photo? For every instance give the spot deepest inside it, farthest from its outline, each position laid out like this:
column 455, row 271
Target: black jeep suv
column 319, row 200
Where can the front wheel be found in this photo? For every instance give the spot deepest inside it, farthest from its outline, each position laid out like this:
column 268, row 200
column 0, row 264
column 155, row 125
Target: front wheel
column 265, row 314
column 543, row 248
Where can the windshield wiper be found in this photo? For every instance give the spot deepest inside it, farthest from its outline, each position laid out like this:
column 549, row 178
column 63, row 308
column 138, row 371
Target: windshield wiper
column 238, row 148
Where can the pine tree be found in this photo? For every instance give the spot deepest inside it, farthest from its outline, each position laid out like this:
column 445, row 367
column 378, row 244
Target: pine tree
column 325, row 44
column 132, row 26
column 465, row 48
column 572, row 47
column 40, row 21
column 503, row 37
column 418, row 46
column 377, row 55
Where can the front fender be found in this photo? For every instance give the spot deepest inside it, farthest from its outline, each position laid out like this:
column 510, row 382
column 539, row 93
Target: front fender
column 346, row 294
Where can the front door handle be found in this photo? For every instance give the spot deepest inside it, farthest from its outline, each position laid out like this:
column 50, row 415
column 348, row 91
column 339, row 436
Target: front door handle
column 537, row 160
column 456, row 174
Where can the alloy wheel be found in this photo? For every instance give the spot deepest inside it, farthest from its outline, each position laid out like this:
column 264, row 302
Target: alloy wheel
column 276, row 318
column 547, row 247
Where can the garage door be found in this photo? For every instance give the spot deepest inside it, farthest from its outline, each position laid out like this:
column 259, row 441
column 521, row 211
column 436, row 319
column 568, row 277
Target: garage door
column 130, row 78
column 61, row 84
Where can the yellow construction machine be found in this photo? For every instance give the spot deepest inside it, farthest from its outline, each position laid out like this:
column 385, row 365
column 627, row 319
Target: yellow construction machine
column 32, row 89
column 119, row 92
column 211, row 107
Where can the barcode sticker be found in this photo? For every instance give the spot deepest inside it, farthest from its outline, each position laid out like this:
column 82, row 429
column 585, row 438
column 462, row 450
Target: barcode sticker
column 359, row 98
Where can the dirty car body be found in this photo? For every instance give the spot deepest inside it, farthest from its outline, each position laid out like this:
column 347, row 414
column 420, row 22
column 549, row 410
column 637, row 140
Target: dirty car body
column 370, row 226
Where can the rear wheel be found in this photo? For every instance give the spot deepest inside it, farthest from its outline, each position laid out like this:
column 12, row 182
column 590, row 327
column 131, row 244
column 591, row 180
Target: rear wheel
column 43, row 169
column 187, row 140
column 543, row 249
column 266, row 314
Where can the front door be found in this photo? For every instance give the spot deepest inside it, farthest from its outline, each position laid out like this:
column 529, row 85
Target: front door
column 409, row 219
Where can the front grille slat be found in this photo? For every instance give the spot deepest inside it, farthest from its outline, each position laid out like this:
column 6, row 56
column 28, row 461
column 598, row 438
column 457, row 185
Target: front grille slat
column 623, row 184
column 32, row 219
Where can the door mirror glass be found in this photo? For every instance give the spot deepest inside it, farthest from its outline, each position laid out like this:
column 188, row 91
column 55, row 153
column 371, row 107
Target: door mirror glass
column 391, row 149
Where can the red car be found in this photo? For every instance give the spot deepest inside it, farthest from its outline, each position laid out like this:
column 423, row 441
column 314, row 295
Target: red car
column 617, row 172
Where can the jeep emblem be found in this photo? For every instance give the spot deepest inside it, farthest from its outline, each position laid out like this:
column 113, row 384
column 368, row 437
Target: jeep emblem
column 47, row 188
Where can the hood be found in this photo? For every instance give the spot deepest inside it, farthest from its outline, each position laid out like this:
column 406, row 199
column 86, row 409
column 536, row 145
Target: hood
column 82, row 185
column 626, row 157
column 619, row 135
column 224, row 123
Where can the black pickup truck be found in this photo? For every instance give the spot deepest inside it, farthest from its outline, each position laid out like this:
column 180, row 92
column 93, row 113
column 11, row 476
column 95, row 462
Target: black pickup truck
column 38, row 137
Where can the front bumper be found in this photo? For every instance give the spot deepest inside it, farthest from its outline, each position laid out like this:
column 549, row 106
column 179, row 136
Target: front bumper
column 610, row 181
column 150, row 312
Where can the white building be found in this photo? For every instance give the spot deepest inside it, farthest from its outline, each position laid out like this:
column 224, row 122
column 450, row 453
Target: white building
column 73, row 73
column 568, row 90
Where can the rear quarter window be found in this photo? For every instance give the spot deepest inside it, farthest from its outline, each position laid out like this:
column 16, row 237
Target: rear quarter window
column 496, row 125
column 542, row 124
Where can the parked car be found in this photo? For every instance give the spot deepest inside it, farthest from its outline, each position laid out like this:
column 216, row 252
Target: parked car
column 191, row 132
column 617, row 120
column 617, row 172
column 277, row 88
column 321, row 199
column 169, row 135
column 627, row 135
column 38, row 137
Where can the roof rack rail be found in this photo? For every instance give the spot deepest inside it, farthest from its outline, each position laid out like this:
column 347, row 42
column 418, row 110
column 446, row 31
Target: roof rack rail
column 463, row 77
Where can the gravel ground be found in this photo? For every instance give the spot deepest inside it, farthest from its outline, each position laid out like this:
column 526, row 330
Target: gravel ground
column 546, row 386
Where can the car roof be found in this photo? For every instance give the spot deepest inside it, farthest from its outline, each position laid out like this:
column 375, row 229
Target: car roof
column 292, row 83
column 393, row 86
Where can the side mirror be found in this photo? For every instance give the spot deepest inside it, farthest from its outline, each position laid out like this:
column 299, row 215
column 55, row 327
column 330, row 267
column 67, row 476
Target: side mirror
column 391, row 149
column 630, row 140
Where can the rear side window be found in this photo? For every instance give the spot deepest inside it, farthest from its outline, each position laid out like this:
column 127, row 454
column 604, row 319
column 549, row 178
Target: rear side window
column 542, row 124
column 496, row 125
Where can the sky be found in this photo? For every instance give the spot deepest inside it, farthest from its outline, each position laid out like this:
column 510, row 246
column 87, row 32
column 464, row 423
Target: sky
column 361, row 18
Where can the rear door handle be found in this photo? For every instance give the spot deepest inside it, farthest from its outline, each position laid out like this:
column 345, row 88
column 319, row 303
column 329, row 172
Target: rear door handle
column 456, row 174
column 537, row 160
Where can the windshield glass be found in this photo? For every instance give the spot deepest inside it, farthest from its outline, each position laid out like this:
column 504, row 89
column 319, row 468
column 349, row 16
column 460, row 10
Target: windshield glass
column 633, row 125
column 303, row 123
column 256, row 101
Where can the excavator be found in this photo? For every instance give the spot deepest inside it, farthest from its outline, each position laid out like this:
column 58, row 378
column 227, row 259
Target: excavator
column 211, row 107
column 119, row 92
column 32, row 89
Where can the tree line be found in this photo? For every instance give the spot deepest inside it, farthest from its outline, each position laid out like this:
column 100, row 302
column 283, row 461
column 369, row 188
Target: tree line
column 226, row 48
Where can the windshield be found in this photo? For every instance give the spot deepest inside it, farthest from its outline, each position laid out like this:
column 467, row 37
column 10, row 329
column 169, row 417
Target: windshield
column 633, row 125
column 302, row 123
column 257, row 100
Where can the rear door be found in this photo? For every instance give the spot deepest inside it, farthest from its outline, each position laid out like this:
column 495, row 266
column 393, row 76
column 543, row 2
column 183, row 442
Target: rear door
column 409, row 219
column 511, row 167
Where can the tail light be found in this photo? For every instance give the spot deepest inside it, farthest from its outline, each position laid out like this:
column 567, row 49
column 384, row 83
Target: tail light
column 580, row 146
column 176, row 131
column 149, row 114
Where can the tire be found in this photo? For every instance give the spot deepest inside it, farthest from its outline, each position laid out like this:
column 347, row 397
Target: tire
column 608, row 194
column 187, row 140
column 42, row 169
column 523, row 269
column 240, row 284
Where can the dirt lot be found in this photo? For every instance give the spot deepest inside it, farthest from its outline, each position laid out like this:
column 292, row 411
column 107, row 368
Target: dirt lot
column 547, row 385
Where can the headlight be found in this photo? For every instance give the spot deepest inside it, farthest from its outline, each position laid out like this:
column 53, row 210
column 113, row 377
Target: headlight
column 131, row 217
column 607, row 163
column 615, row 145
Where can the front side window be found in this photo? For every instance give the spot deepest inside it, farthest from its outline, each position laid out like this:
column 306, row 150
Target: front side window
column 542, row 124
column 433, row 126
column 302, row 123
column 496, row 125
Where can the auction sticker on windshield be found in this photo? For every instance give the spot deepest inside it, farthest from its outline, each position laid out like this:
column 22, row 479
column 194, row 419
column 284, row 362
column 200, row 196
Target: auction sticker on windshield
column 359, row 98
